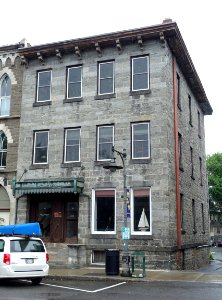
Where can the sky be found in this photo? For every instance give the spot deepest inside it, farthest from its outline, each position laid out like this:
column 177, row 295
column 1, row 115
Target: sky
column 199, row 22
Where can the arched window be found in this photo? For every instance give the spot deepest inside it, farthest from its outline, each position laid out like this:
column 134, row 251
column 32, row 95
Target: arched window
column 3, row 149
column 5, row 96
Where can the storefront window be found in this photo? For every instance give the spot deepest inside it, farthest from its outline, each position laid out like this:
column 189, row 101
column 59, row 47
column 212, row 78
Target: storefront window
column 103, row 211
column 141, row 211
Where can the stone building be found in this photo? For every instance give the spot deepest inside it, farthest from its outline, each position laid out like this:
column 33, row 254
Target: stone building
column 10, row 103
column 136, row 90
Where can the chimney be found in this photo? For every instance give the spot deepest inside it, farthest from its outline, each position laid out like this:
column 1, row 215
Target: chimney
column 167, row 20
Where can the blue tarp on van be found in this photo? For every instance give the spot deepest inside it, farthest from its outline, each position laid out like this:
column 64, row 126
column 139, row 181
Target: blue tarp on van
column 21, row 229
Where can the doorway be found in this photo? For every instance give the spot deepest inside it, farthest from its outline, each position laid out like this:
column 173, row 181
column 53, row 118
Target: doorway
column 57, row 215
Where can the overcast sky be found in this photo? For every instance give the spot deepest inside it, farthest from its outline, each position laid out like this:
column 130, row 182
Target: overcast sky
column 199, row 21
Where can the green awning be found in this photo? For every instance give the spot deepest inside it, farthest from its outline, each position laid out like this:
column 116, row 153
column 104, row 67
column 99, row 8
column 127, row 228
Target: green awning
column 66, row 185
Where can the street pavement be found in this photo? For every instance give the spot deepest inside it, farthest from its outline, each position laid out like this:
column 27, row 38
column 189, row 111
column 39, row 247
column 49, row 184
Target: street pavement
column 211, row 273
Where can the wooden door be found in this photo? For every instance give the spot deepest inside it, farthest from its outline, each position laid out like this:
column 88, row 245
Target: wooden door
column 57, row 222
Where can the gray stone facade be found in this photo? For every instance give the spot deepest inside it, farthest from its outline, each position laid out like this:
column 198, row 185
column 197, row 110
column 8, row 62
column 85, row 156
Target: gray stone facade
column 155, row 106
column 10, row 65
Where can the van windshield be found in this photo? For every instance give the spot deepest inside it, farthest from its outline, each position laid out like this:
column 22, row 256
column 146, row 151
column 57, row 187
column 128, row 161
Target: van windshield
column 26, row 246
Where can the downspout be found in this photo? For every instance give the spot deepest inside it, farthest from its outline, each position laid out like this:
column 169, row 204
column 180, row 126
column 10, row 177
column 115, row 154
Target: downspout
column 176, row 164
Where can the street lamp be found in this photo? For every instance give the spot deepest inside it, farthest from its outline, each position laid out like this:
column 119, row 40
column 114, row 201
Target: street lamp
column 112, row 166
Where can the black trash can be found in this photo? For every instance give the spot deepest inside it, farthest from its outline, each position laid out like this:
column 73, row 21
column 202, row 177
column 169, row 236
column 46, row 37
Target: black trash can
column 112, row 262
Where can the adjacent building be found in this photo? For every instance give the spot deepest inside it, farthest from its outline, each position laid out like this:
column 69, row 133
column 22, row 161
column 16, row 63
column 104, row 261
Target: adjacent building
column 10, row 105
column 136, row 90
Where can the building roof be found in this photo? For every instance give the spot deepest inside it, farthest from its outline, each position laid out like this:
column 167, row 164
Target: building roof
column 168, row 32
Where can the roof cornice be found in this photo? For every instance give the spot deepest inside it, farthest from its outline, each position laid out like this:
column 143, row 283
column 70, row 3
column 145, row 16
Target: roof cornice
column 167, row 31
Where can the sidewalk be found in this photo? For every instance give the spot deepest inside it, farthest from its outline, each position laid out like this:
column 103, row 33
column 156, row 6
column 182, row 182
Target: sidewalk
column 90, row 273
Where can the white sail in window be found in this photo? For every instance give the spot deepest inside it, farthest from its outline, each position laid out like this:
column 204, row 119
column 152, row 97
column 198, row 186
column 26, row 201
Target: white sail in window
column 143, row 222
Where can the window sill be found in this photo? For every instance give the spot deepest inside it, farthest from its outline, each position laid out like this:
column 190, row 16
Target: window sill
column 101, row 163
column 141, row 236
column 105, row 96
column 71, row 165
column 71, row 100
column 140, row 92
column 96, row 235
column 43, row 103
column 139, row 161
column 39, row 166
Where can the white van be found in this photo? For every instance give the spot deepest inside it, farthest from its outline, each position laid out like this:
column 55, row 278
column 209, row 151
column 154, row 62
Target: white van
column 23, row 257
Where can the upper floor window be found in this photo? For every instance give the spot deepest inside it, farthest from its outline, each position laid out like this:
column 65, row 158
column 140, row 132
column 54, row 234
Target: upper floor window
column 140, row 73
column 194, row 216
column 203, row 219
column 106, row 78
column 44, row 86
column 201, row 171
column 199, row 125
column 74, row 82
column 181, row 213
column 103, row 211
column 190, row 109
column 191, row 163
column 140, row 211
column 105, row 141
column 178, row 91
column 72, row 145
column 3, row 149
column 180, row 151
column 5, row 96
column 40, row 153
column 140, row 141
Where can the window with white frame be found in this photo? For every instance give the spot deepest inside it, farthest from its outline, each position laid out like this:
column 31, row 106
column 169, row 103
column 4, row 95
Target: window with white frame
column 72, row 145
column 105, row 141
column 40, row 153
column 44, row 86
column 106, row 78
column 140, row 73
column 141, row 222
column 5, row 96
column 140, row 141
column 104, row 211
column 74, row 82
column 3, row 149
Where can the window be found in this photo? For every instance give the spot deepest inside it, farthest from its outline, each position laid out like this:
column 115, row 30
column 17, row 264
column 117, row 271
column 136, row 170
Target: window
column 105, row 141
column 190, row 109
column 180, row 150
column 3, row 149
column 41, row 139
column 103, row 211
column 199, row 126
column 140, row 211
column 72, row 145
column 201, row 171
column 194, row 216
column 44, row 86
column 181, row 213
column 74, row 82
column 203, row 219
column 178, row 91
column 140, row 141
column 140, row 73
column 106, row 78
column 191, row 163
column 5, row 96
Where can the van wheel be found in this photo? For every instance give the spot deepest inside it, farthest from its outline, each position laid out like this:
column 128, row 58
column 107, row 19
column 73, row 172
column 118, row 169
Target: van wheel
column 36, row 281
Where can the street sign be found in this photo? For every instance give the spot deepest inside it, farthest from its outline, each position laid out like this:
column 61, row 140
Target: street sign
column 125, row 233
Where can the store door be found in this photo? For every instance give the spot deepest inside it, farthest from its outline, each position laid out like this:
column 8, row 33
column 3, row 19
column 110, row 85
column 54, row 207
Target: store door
column 57, row 215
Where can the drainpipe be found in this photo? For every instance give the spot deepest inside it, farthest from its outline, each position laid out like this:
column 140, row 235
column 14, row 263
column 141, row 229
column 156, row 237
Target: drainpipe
column 176, row 163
